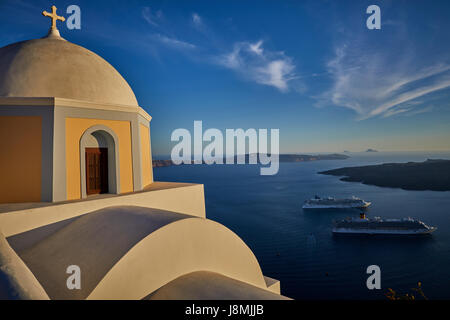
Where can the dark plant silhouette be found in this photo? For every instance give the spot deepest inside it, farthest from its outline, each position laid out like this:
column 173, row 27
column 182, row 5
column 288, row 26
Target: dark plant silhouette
column 393, row 295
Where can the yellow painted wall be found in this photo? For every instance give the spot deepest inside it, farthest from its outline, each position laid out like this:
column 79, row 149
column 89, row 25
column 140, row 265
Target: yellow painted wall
column 75, row 127
column 20, row 158
column 147, row 172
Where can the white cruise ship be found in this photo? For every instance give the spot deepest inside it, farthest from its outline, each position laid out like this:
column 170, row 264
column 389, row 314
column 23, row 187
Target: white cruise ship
column 363, row 225
column 332, row 203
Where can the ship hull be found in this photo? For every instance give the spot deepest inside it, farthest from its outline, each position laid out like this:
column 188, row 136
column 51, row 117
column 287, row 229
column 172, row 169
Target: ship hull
column 336, row 206
column 382, row 232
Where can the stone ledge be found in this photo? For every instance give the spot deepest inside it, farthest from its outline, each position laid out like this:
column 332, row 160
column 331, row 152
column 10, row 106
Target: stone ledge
column 177, row 197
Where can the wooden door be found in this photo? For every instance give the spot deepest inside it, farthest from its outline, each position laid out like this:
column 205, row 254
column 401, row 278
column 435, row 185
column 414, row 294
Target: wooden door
column 96, row 170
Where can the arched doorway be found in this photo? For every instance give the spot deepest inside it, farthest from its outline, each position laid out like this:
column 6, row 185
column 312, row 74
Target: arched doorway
column 96, row 170
column 99, row 161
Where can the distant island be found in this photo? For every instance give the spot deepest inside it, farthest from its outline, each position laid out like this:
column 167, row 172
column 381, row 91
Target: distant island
column 371, row 150
column 428, row 175
column 305, row 157
column 282, row 158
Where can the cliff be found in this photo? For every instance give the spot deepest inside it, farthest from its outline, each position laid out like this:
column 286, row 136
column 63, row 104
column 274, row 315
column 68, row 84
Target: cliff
column 428, row 175
column 282, row 158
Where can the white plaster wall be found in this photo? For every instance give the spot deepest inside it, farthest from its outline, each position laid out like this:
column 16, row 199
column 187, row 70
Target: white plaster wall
column 16, row 280
column 179, row 248
column 187, row 199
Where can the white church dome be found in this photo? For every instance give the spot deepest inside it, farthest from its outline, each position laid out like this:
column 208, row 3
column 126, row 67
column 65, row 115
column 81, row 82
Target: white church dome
column 54, row 67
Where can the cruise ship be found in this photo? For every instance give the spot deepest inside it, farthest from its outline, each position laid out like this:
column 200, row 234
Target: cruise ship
column 363, row 225
column 332, row 203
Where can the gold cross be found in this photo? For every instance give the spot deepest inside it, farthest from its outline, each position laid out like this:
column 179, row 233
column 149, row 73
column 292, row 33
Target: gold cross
column 54, row 16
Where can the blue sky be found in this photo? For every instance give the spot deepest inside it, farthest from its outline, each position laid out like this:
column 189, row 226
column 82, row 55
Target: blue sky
column 309, row 68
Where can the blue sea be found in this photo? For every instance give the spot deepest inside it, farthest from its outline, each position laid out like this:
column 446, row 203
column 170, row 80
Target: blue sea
column 297, row 247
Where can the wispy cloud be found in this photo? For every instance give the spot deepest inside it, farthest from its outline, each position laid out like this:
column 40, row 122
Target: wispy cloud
column 248, row 59
column 377, row 82
column 257, row 48
column 253, row 62
column 197, row 21
column 151, row 17
column 420, row 111
column 172, row 42
column 156, row 19
column 408, row 109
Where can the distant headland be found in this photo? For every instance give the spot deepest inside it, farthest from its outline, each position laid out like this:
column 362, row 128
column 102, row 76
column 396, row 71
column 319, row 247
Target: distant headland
column 282, row 158
column 431, row 175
